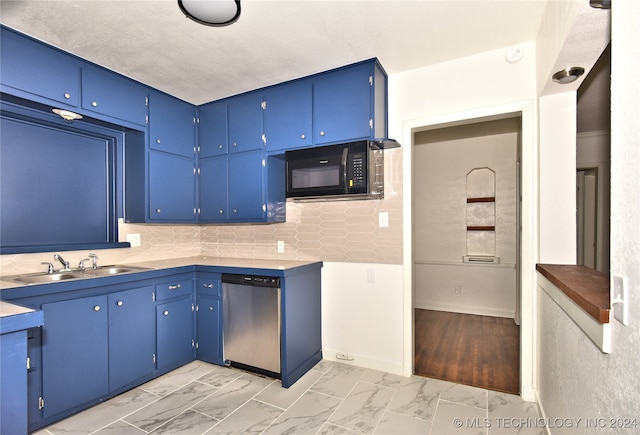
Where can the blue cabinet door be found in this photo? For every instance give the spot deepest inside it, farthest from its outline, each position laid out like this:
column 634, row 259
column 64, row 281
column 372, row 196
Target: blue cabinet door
column 208, row 329
column 175, row 340
column 342, row 104
column 245, row 122
column 288, row 116
column 246, row 186
column 37, row 69
column 75, row 357
column 212, row 129
column 213, row 202
column 171, row 188
column 172, row 127
column 113, row 95
column 132, row 336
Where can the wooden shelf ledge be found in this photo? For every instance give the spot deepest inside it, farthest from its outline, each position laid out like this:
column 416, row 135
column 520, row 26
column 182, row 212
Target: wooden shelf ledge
column 586, row 287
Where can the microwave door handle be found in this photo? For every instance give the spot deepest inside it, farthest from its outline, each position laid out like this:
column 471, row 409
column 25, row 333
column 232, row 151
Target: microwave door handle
column 345, row 154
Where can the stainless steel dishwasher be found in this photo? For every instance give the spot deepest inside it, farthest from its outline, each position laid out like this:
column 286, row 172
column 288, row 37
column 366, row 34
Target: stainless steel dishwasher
column 251, row 322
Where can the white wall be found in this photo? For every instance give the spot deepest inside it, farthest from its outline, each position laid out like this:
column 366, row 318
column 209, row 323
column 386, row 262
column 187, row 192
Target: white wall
column 362, row 314
column 558, row 178
column 575, row 378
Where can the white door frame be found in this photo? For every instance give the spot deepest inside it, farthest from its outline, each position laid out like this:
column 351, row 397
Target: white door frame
column 529, row 231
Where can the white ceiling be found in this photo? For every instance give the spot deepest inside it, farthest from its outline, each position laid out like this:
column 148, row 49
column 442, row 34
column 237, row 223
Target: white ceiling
column 273, row 41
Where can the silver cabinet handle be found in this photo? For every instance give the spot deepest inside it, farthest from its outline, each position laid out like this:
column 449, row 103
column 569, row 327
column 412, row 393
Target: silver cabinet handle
column 119, row 303
column 220, row 146
column 322, row 133
column 165, row 313
column 221, row 211
column 173, row 287
column 210, row 308
column 157, row 140
column 158, row 210
column 96, row 308
column 67, row 95
column 94, row 103
column 235, row 210
column 302, row 136
column 207, row 285
column 235, row 144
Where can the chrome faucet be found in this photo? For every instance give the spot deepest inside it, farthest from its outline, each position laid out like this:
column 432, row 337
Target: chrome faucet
column 64, row 263
column 94, row 261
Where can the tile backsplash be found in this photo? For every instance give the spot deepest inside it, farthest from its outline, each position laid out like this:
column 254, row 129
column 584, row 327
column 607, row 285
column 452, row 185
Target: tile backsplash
column 337, row 231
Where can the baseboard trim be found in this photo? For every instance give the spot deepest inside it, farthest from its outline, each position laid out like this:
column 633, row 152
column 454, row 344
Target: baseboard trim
column 492, row 312
column 365, row 362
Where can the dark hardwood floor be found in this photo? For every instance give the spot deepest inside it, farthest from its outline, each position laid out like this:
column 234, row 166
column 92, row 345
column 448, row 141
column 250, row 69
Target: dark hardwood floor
column 475, row 350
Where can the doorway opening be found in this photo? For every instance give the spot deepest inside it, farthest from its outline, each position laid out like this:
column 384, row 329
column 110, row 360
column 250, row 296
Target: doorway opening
column 466, row 252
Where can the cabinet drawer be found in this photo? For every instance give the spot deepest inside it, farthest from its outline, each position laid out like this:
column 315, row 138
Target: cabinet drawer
column 208, row 285
column 173, row 289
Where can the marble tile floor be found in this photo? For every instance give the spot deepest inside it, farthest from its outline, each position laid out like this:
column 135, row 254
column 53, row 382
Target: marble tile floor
column 332, row 398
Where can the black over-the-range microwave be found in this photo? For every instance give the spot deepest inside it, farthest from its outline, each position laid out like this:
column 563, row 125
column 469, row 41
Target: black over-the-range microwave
column 353, row 170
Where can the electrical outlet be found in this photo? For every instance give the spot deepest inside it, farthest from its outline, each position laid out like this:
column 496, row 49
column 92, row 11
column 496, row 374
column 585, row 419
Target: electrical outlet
column 458, row 289
column 383, row 219
column 134, row 240
column 280, row 246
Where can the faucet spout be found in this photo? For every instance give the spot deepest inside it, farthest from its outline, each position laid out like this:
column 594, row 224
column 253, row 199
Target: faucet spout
column 64, row 263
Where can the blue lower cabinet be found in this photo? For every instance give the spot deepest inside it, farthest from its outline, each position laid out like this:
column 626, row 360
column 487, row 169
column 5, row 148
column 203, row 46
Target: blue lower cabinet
column 175, row 340
column 13, row 400
column 75, row 357
column 131, row 336
column 208, row 327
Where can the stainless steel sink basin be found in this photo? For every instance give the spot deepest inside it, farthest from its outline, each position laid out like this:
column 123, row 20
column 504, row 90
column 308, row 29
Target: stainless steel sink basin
column 43, row 278
column 113, row 270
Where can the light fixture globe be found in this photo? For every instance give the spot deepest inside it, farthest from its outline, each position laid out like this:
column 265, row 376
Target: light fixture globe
column 211, row 12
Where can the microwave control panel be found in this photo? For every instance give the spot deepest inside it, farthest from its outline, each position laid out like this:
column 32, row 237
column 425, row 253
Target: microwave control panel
column 357, row 170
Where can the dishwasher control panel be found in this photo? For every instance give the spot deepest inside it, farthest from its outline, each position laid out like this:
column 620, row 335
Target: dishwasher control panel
column 253, row 280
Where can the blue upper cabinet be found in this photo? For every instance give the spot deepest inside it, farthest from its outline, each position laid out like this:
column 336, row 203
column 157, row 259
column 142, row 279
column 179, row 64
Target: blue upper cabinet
column 113, row 95
column 342, row 104
column 245, row 122
column 213, row 202
column 212, row 129
column 171, row 188
column 172, row 126
column 287, row 115
column 30, row 69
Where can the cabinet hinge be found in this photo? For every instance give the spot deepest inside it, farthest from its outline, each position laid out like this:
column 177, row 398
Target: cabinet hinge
column 199, row 211
column 146, row 119
column 197, row 346
column 193, row 308
column 40, row 402
column 197, row 308
column 264, row 139
column 153, row 296
column 370, row 80
column 146, row 101
column 264, row 208
column 28, row 363
column 371, row 123
column 195, row 171
column 154, row 358
column 264, row 163
column 264, row 105
column 193, row 343
column 195, row 212
column 198, row 149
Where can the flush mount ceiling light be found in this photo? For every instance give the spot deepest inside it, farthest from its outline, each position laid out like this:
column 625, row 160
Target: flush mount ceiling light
column 67, row 115
column 211, row 12
column 568, row 75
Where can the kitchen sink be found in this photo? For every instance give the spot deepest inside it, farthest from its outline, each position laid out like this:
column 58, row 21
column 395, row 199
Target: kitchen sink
column 40, row 278
column 113, row 270
column 43, row 278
